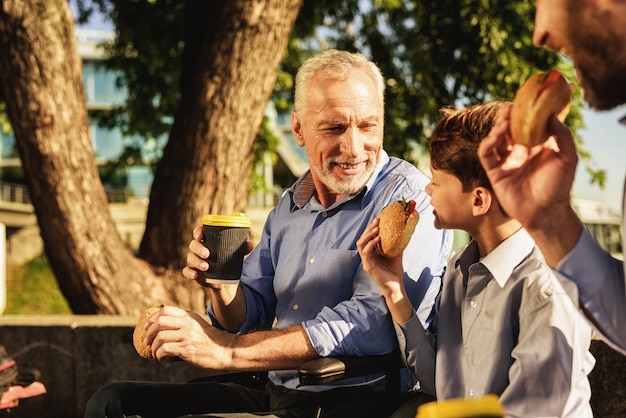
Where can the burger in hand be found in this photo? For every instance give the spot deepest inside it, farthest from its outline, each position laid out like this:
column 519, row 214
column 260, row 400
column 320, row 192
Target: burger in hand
column 139, row 334
column 396, row 226
column 540, row 97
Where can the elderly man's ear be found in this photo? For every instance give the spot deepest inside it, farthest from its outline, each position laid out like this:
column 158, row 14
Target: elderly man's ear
column 296, row 129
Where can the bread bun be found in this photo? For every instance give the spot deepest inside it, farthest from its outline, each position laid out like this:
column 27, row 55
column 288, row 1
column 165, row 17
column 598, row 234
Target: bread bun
column 541, row 96
column 396, row 226
column 139, row 334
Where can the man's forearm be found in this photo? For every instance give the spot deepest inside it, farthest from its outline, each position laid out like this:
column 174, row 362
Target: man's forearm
column 282, row 349
column 556, row 234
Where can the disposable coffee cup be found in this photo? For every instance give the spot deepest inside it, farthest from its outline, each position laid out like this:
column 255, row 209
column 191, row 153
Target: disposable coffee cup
column 226, row 238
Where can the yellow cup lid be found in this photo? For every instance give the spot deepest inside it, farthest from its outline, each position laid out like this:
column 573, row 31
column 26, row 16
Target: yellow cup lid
column 486, row 406
column 236, row 219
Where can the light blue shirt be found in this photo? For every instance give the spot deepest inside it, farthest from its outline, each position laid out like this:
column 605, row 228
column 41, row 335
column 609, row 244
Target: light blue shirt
column 601, row 288
column 600, row 281
column 306, row 268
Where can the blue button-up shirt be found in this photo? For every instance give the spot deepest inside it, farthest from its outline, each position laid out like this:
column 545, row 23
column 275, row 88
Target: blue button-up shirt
column 306, row 268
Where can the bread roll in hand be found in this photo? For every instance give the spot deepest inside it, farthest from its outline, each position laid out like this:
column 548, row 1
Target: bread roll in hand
column 540, row 97
column 139, row 334
column 396, row 226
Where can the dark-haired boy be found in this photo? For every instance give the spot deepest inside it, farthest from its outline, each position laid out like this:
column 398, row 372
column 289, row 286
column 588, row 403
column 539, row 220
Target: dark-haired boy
column 503, row 324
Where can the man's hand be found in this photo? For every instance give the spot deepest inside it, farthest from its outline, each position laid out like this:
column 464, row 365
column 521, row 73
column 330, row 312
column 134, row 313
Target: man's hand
column 197, row 257
column 227, row 300
column 174, row 332
column 533, row 185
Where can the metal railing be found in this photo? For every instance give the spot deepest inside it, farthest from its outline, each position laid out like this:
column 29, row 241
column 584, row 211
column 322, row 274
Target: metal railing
column 15, row 193
column 18, row 193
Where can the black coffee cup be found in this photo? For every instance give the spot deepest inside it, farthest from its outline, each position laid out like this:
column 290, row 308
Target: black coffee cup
column 226, row 238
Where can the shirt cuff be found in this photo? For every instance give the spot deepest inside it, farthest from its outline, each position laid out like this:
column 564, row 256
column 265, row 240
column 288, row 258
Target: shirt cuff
column 585, row 265
column 410, row 334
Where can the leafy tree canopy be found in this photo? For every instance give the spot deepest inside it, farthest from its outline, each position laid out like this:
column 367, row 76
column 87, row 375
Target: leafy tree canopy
column 432, row 53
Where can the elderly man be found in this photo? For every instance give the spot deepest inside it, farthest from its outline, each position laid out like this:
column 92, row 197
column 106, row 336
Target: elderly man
column 303, row 292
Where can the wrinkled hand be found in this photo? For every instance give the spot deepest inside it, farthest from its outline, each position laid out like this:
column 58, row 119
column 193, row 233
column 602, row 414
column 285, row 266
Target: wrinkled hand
column 532, row 185
column 386, row 272
column 175, row 332
column 197, row 257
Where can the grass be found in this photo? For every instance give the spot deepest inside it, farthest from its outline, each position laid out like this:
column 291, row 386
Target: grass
column 32, row 289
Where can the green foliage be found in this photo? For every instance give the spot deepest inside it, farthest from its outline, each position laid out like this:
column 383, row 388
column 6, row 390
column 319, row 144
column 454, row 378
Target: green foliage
column 5, row 125
column 32, row 289
column 147, row 53
column 266, row 143
column 439, row 53
column 433, row 54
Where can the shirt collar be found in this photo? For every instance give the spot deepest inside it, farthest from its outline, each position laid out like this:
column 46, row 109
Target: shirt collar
column 304, row 190
column 505, row 257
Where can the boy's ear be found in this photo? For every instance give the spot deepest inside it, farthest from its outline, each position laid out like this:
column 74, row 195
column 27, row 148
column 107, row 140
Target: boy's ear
column 482, row 201
column 296, row 129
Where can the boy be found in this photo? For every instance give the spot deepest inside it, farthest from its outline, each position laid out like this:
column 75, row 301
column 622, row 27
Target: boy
column 503, row 323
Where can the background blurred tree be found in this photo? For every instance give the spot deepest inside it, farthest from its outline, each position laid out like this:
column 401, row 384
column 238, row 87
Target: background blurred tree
column 448, row 52
column 202, row 72
column 228, row 58
column 440, row 53
column 433, row 54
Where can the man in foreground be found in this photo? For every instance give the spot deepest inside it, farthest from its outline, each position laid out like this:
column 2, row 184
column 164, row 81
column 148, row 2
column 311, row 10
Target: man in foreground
column 303, row 293
column 534, row 185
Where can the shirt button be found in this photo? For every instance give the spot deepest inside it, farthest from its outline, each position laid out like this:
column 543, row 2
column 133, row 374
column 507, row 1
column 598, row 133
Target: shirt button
column 473, row 303
column 324, row 214
column 465, row 347
column 311, row 260
column 296, row 307
column 471, row 393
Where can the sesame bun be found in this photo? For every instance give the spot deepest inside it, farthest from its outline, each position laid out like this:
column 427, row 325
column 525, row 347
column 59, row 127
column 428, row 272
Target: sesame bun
column 541, row 96
column 396, row 227
column 139, row 334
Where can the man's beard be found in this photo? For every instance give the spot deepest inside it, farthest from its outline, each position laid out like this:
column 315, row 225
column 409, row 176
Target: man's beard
column 601, row 62
column 346, row 185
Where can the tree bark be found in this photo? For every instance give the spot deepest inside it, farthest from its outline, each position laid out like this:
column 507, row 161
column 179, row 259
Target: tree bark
column 40, row 71
column 232, row 54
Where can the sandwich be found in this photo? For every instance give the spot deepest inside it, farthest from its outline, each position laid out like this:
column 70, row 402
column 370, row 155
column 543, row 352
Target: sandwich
column 540, row 96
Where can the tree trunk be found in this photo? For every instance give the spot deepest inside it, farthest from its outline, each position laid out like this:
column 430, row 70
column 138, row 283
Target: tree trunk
column 234, row 48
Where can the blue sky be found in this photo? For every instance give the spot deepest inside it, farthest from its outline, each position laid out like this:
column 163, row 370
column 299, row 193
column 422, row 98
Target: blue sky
column 605, row 138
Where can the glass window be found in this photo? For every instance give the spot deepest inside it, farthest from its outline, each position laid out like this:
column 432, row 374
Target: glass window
column 140, row 180
column 107, row 143
column 7, row 143
column 100, row 87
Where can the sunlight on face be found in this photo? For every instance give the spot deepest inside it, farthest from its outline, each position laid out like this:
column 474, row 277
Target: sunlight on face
column 342, row 131
column 448, row 198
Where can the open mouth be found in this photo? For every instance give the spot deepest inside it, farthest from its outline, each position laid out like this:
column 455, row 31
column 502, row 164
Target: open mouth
column 351, row 168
